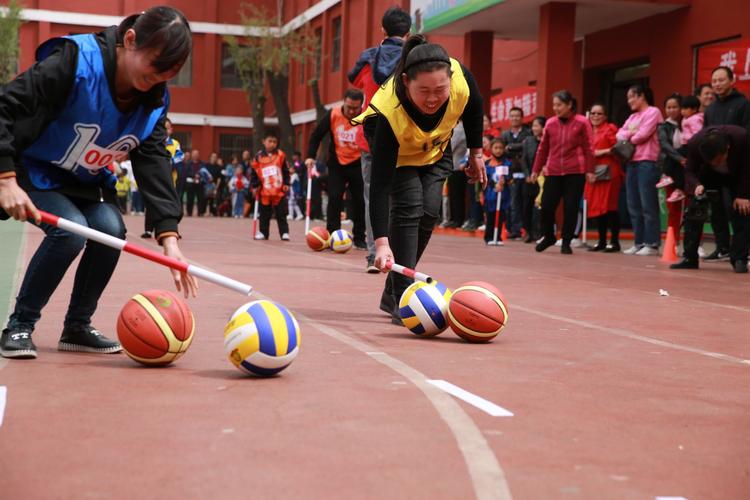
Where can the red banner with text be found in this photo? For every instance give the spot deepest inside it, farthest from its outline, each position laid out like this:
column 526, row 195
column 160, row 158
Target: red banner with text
column 501, row 104
column 734, row 55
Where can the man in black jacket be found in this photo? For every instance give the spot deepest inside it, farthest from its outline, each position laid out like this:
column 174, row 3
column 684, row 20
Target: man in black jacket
column 730, row 108
column 516, row 134
column 719, row 158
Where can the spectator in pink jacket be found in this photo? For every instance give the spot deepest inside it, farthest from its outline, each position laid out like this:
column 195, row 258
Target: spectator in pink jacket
column 642, row 171
column 567, row 157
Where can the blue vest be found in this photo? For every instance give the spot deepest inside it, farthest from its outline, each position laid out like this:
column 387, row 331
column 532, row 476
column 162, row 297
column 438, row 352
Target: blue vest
column 90, row 131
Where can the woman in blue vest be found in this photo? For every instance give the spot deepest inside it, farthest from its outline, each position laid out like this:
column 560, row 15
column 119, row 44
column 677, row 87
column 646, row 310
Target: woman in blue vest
column 413, row 115
column 88, row 100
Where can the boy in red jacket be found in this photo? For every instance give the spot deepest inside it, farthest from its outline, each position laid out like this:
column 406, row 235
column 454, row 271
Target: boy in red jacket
column 270, row 183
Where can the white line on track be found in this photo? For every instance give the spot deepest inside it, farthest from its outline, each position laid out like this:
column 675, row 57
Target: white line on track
column 3, row 393
column 671, row 498
column 474, row 400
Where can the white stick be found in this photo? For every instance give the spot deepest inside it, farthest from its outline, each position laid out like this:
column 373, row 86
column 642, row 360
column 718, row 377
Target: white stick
column 585, row 216
column 309, row 198
column 397, row 268
column 497, row 216
column 220, row 280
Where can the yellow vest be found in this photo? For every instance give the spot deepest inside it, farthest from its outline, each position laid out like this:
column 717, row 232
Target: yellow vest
column 417, row 147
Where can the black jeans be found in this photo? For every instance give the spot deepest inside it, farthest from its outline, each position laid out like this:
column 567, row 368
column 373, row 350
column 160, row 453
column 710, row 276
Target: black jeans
column 416, row 195
column 339, row 178
column 457, row 196
column 57, row 252
column 264, row 215
column 529, row 213
column 570, row 189
column 195, row 190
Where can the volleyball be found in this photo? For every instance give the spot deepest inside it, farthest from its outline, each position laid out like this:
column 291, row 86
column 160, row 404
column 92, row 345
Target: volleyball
column 155, row 327
column 262, row 338
column 317, row 238
column 341, row 241
column 477, row 312
column 424, row 307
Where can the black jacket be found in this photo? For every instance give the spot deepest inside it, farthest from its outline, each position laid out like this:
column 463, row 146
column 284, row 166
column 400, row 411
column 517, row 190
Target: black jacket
column 530, row 146
column 738, row 161
column 667, row 151
column 34, row 99
column 733, row 109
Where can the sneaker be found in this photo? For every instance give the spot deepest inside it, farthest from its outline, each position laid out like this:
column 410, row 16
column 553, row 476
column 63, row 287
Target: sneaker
column 86, row 339
column 359, row 245
column 545, row 243
column 566, row 250
column 612, row 248
column 17, row 344
column 469, row 226
column 685, row 264
column 677, row 195
column 260, row 236
column 482, row 227
column 285, row 237
column 289, row 217
column 299, row 217
column 558, row 243
column 632, row 250
column 370, row 268
column 664, row 181
column 387, row 302
column 576, row 243
column 493, row 243
column 701, row 253
column 146, row 235
column 717, row 256
column 740, row 266
column 647, row 251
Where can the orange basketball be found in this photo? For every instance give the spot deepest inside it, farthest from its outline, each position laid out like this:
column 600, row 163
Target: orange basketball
column 317, row 238
column 155, row 327
column 477, row 311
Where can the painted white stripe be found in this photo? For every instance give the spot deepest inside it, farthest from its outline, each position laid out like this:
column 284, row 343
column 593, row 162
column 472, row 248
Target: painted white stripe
column 474, row 400
column 91, row 234
column 298, row 118
column 671, row 498
column 3, row 393
column 99, row 21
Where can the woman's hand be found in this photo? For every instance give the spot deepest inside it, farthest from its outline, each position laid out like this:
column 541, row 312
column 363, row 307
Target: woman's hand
column 16, row 202
column 475, row 170
column 742, row 205
column 383, row 254
column 184, row 282
column 590, row 177
column 533, row 178
column 699, row 190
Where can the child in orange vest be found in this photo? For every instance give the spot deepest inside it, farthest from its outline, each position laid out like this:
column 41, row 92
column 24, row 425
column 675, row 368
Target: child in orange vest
column 270, row 183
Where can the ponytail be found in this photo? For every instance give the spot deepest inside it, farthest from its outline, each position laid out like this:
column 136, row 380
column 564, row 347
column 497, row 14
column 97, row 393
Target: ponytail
column 162, row 28
column 418, row 56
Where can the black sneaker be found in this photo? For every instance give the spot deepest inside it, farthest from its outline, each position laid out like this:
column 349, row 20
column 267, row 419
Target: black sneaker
column 740, row 266
column 146, row 235
column 685, row 264
column 566, row 250
column 387, row 303
column 544, row 244
column 86, row 339
column 717, row 256
column 17, row 344
column 370, row 268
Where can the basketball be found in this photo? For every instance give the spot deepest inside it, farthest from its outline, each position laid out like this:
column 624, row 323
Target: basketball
column 317, row 238
column 424, row 308
column 155, row 327
column 477, row 312
column 262, row 338
column 341, row 241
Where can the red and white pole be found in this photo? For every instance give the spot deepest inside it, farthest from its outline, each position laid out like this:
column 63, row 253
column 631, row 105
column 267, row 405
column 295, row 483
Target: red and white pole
column 410, row 273
column 309, row 197
column 146, row 253
column 255, row 216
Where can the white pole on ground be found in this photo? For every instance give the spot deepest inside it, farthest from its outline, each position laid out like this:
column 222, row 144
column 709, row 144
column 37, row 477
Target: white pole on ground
column 497, row 217
column 309, row 197
column 585, row 217
column 255, row 216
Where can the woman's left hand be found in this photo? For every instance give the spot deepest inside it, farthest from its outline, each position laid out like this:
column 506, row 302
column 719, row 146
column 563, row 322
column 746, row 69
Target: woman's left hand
column 591, row 177
column 184, row 282
column 476, row 172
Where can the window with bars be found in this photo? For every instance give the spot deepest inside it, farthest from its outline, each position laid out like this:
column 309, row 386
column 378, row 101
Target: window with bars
column 336, row 45
column 185, row 76
column 234, row 144
column 229, row 77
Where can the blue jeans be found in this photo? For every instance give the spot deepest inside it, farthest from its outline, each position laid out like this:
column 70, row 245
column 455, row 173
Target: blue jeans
column 57, row 252
column 516, row 207
column 643, row 202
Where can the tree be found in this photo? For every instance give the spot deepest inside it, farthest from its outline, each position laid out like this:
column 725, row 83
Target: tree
column 10, row 22
column 263, row 56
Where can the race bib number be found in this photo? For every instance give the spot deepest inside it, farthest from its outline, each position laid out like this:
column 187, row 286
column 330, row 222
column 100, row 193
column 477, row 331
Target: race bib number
column 84, row 152
column 346, row 136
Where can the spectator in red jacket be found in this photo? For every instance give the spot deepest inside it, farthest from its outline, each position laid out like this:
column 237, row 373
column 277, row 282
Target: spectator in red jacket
column 566, row 154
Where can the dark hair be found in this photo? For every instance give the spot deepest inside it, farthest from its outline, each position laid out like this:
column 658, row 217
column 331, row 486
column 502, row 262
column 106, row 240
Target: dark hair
column 167, row 120
column 515, row 108
column 298, row 153
column 541, row 119
column 418, row 56
column 690, row 102
column 566, row 97
column 730, row 73
column 354, row 95
column 646, row 92
column 163, row 28
column 677, row 97
column 712, row 145
column 700, row 87
column 497, row 140
column 600, row 104
column 270, row 133
column 396, row 22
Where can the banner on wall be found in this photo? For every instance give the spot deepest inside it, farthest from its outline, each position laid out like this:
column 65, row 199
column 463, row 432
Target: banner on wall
column 734, row 55
column 501, row 104
column 430, row 14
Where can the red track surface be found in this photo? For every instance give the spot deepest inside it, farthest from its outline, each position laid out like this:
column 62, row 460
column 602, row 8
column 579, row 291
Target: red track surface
column 616, row 391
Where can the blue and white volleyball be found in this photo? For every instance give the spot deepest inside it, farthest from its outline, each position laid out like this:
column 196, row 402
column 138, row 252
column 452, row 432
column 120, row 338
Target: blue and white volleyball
column 341, row 241
column 262, row 338
column 424, row 308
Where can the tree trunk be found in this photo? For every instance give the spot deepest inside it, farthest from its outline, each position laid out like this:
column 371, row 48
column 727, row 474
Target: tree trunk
column 320, row 112
column 279, row 86
column 257, row 105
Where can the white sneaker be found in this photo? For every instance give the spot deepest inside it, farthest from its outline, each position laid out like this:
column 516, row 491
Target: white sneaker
column 288, row 217
column 576, row 243
column 701, row 253
column 299, row 217
column 260, row 236
column 558, row 243
column 285, row 237
column 633, row 250
column 482, row 227
column 647, row 251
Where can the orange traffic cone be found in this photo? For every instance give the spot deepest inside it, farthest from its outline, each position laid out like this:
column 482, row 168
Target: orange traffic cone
column 670, row 247
column 504, row 233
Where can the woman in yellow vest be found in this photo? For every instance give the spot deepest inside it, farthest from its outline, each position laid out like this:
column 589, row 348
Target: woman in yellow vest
column 412, row 118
